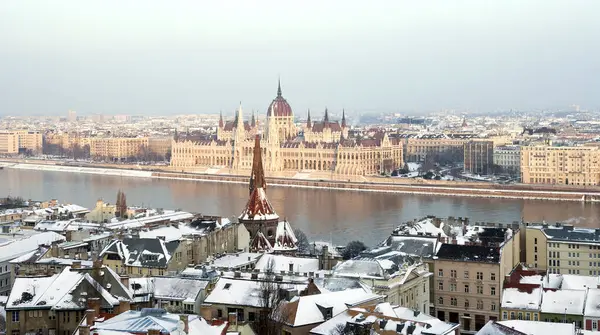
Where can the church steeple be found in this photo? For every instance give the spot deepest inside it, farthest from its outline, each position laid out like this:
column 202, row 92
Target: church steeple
column 221, row 119
column 343, row 118
column 279, row 87
column 257, row 176
column 253, row 123
column 308, row 121
column 326, row 119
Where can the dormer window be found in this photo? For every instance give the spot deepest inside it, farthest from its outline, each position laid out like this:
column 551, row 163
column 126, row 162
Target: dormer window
column 227, row 286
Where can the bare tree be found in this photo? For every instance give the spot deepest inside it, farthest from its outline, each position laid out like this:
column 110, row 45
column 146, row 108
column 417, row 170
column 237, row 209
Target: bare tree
column 270, row 318
column 303, row 242
column 2, row 323
column 121, row 204
column 339, row 329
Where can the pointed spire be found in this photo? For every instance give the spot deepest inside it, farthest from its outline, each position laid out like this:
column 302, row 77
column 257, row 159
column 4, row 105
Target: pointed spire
column 253, row 123
column 257, row 176
column 326, row 118
column 308, row 121
column 279, row 87
column 220, row 119
column 343, row 118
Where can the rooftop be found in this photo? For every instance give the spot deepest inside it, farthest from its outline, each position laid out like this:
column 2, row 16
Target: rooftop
column 563, row 302
column 469, row 253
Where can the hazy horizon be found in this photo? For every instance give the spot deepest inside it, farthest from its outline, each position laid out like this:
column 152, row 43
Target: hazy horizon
column 154, row 57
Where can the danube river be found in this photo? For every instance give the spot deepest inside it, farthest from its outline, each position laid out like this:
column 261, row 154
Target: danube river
column 339, row 216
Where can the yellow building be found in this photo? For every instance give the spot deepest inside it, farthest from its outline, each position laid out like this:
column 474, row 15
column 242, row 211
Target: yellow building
column 440, row 147
column 543, row 164
column 9, row 143
column 118, row 148
column 563, row 249
column 102, row 213
column 324, row 148
column 521, row 303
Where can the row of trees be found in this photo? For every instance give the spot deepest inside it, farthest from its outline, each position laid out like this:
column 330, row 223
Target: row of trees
column 145, row 154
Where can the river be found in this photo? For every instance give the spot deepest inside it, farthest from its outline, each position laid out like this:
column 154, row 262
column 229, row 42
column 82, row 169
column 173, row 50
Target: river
column 337, row 216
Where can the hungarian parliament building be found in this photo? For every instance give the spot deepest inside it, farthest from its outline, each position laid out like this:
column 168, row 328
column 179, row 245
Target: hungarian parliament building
column 316, row 148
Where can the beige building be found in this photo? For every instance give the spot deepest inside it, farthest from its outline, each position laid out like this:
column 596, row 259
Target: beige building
column 13, row 141
column 102, row 213
column 118, row 148
column 543, row 164
column 323, row 148
column 437, row 146
column 9, row 143
column 159, row 146
column 563, row 249
column 467, row 282
column 508, row 159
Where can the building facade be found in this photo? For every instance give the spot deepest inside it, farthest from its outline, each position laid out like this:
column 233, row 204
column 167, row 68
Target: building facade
column 479, row 157
column 15, row 141
column 508, row 159
column 543, row 164
column 9, row 143
column 324, row 147
column 439, row 147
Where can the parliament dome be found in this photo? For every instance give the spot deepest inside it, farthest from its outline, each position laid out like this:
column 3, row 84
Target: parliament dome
column 279, row 105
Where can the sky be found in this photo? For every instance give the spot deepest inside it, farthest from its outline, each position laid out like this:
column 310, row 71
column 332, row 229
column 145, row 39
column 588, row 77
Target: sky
column 187, row 57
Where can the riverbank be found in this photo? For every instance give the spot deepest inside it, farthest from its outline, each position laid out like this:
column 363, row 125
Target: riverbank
column 370, row 184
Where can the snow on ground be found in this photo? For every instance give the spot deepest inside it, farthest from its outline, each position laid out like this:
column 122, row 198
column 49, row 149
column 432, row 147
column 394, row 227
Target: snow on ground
column 88, row 170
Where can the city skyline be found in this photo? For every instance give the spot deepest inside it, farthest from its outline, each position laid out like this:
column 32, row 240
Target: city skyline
column 184, row 58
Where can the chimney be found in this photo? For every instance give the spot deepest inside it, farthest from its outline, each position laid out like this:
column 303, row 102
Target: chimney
column 94, row 304
column 84, row 330
column 124, row 306
column 153, row 331
column 54, row 250
column 90, row 317
column 206, row 312
column 125, row 281
column 184, row 318
column 97, row 264
column 232, row 319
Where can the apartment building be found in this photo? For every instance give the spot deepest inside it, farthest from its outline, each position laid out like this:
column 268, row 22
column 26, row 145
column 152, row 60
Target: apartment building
column 160, row 146
column 467, row 281
column 543, row 164
column 563, row 249
column 30, row 140
column 508, row 159
column 9, row 143
column 439, row 146
column 117, row 148
column 479, row 157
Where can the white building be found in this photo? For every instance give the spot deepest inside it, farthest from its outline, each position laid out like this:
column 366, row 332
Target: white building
column 508, row 158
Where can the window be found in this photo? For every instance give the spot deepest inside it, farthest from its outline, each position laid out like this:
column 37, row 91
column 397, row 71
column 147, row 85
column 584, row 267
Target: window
column 440, row 273
column 52, row 314
column 512, row 315
column 466, row 288
column 219, row 313
column 467, row 303
column 452, row 273
column 453, row 287
column 441, row 286
column 492, row 276
column 479, row 289
column 440, row 301
column 466, row 274
column 504, row 316
column 492, row 290
column 479, row 275
column 453, row 302
column 527, row 316
column 535, row 240
column 520, row 316
column 15, row 316
column 594, row 325
column 535, row 249
column 535, row 317
column 251, row 316
column 227, row 286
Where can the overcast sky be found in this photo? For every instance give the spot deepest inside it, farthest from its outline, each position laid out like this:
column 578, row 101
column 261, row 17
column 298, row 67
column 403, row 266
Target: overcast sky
column 176, row 57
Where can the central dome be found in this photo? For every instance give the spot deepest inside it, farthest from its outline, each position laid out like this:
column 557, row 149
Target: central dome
column 279, row 105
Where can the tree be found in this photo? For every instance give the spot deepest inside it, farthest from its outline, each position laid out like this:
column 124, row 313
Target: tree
column 353, row 249
column 270, row 317
column 303, row 242
column 339, row 329
column 121, row 204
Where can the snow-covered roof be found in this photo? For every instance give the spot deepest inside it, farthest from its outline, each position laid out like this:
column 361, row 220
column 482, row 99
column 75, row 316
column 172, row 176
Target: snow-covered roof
column 15, row 248
column 65, row 290
column 364, row 268
column 241, row 292
column 169, row 288
column 147, row 220
column 65, row 225
column 259, row 207
column 144, row 252
column 235, row 261
column 539, row 327
column 173, row 233
column 576, row 282
column 307, row 310
column 285, row 239
column 592, row 303
column 153, row 318
column 282, row 263
column 513, row 298
column 563, row 302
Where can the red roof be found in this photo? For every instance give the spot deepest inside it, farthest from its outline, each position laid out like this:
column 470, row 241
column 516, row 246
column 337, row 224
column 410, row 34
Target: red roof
column 279, row 105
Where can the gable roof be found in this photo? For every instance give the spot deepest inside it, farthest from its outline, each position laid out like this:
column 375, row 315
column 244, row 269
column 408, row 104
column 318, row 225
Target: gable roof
column 68, row 290
column 143, row 252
